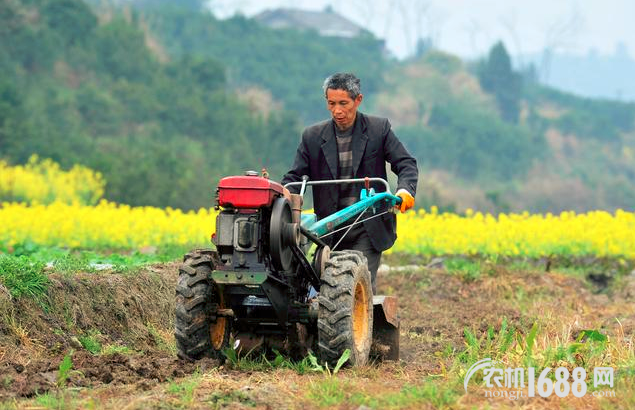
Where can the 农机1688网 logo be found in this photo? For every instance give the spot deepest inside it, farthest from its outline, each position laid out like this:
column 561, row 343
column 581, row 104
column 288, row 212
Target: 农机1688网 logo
column 565, row 382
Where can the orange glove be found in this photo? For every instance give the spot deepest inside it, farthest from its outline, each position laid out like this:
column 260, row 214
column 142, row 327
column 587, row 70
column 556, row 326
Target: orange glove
column 407, row 200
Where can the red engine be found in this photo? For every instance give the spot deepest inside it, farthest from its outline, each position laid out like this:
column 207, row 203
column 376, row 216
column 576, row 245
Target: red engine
column 247, row 192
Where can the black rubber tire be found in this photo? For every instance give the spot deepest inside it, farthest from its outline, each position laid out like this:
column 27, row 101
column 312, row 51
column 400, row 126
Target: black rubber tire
column 346, row 274
column 197, row 301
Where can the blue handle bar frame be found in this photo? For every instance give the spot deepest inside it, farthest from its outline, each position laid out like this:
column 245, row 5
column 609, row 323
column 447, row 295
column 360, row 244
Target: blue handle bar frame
column 367, row 200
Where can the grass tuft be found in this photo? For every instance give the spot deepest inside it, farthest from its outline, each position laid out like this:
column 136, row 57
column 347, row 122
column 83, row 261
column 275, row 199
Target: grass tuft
column 185, row 389
column 90, row 343
column 23, row 276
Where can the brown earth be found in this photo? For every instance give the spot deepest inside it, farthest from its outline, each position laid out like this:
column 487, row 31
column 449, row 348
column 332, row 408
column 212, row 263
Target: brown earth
column 136, row 311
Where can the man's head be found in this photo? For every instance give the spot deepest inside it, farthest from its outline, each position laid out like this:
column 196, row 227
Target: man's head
column 343, row 96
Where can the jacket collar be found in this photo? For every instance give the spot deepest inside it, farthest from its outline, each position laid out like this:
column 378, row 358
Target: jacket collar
column 359, row 128
column 329, row 146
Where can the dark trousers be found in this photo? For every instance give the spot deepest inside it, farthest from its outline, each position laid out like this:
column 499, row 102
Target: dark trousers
column 357, row 239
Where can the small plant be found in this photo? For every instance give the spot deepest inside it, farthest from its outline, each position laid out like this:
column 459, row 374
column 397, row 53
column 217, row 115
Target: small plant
column 328, row 392
column 7, row 381
column 59, row 400
column 467, row 269
column 440, row 396
column 490, row 344
column 185, row 389
column 315, row 366
column 69, row 264
column 529, row 345
column 90, row 343
column 229, row 400
column 115, row 349
column 65, row 369
column 250, row 362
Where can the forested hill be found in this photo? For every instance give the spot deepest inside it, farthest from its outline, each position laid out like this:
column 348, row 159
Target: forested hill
column 490, row 138
column 288, row 64
column 164, row 99
column 81, row 88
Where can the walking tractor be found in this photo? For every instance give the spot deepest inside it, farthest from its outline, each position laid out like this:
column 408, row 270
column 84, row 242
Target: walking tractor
column 273, row 283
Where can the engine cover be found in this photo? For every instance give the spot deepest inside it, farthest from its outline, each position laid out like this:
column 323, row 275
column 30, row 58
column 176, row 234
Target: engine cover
column 247, row 192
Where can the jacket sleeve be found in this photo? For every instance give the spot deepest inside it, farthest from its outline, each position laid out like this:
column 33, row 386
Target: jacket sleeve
column 401, row 162
column 301, row 165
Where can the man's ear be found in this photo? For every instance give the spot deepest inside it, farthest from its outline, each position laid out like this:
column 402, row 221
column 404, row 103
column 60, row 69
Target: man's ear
column 358, row 99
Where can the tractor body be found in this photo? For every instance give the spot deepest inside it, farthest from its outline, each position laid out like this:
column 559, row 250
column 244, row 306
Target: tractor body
column 272, row 282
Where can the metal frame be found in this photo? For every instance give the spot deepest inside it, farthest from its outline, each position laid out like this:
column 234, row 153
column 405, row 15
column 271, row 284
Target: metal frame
column 368, row 199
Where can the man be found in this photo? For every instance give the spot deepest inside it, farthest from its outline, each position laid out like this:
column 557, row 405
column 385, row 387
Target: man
column 354, row 145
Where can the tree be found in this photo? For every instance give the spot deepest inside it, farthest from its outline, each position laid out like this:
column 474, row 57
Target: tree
column 71, row 20
column 496, row 76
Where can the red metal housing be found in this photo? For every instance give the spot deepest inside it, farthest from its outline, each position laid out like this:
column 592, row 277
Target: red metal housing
column 247, row 192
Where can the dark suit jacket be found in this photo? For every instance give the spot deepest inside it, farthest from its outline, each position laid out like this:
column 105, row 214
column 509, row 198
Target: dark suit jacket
column 373, row 145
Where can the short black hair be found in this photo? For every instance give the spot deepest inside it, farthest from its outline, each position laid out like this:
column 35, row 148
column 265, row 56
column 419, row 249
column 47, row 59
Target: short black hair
column 343, row 81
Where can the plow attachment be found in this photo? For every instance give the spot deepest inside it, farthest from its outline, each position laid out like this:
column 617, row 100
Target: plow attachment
column 385, row 328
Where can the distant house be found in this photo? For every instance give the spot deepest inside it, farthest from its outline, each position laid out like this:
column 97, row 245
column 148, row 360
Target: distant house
column 326, row 22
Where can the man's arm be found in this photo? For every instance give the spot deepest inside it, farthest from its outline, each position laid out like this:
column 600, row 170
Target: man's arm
column 401, row 162
column 300, row 167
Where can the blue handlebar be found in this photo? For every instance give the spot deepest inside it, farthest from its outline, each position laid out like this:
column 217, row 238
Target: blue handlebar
column 367, row 200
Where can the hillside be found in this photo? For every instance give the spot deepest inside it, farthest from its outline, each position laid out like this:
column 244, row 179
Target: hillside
column 95, row 90
column 564, row 152
column 289, row 64
column 164, row 99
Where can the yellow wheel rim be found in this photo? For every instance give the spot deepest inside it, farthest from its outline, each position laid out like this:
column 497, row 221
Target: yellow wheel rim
column 217, row 330
column 360, row 317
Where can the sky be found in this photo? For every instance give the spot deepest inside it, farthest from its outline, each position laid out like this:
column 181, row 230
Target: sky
column 468, row 28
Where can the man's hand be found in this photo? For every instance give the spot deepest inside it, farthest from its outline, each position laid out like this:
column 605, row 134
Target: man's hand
column 407, row 200
column 286, row 193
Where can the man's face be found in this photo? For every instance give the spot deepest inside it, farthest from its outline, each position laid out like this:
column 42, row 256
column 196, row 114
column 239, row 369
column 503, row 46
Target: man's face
column 342, row 107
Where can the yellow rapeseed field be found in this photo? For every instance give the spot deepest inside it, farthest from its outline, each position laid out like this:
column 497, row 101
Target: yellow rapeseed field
column 52, row 207
column 597, row 233
column 112, row 226
column 44, row 182
column 104, row 226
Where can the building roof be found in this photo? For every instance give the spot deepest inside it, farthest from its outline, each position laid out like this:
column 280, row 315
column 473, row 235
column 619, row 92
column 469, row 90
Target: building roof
column 326, row 22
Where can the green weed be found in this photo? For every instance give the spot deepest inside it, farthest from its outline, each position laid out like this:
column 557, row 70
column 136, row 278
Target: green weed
column 23, row 277
column 7, row 381
column 250, row 362
column 66, row 261
column 529, row 344
column 328, row 392
column 490, row 344
column 228, row 400
column 468, row 270
column 116, row 349
column 185, row 389
column 315, row 366
column 65, row 369
column 413, row 396
column 57, row 401
column 90, row 343
column 69, row 264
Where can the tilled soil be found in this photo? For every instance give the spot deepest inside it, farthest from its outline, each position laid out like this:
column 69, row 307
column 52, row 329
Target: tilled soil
column 143, row 371
column 131, row 312
column 136, row 311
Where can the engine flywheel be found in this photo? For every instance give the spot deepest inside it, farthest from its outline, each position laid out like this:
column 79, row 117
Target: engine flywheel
column 283, row 234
